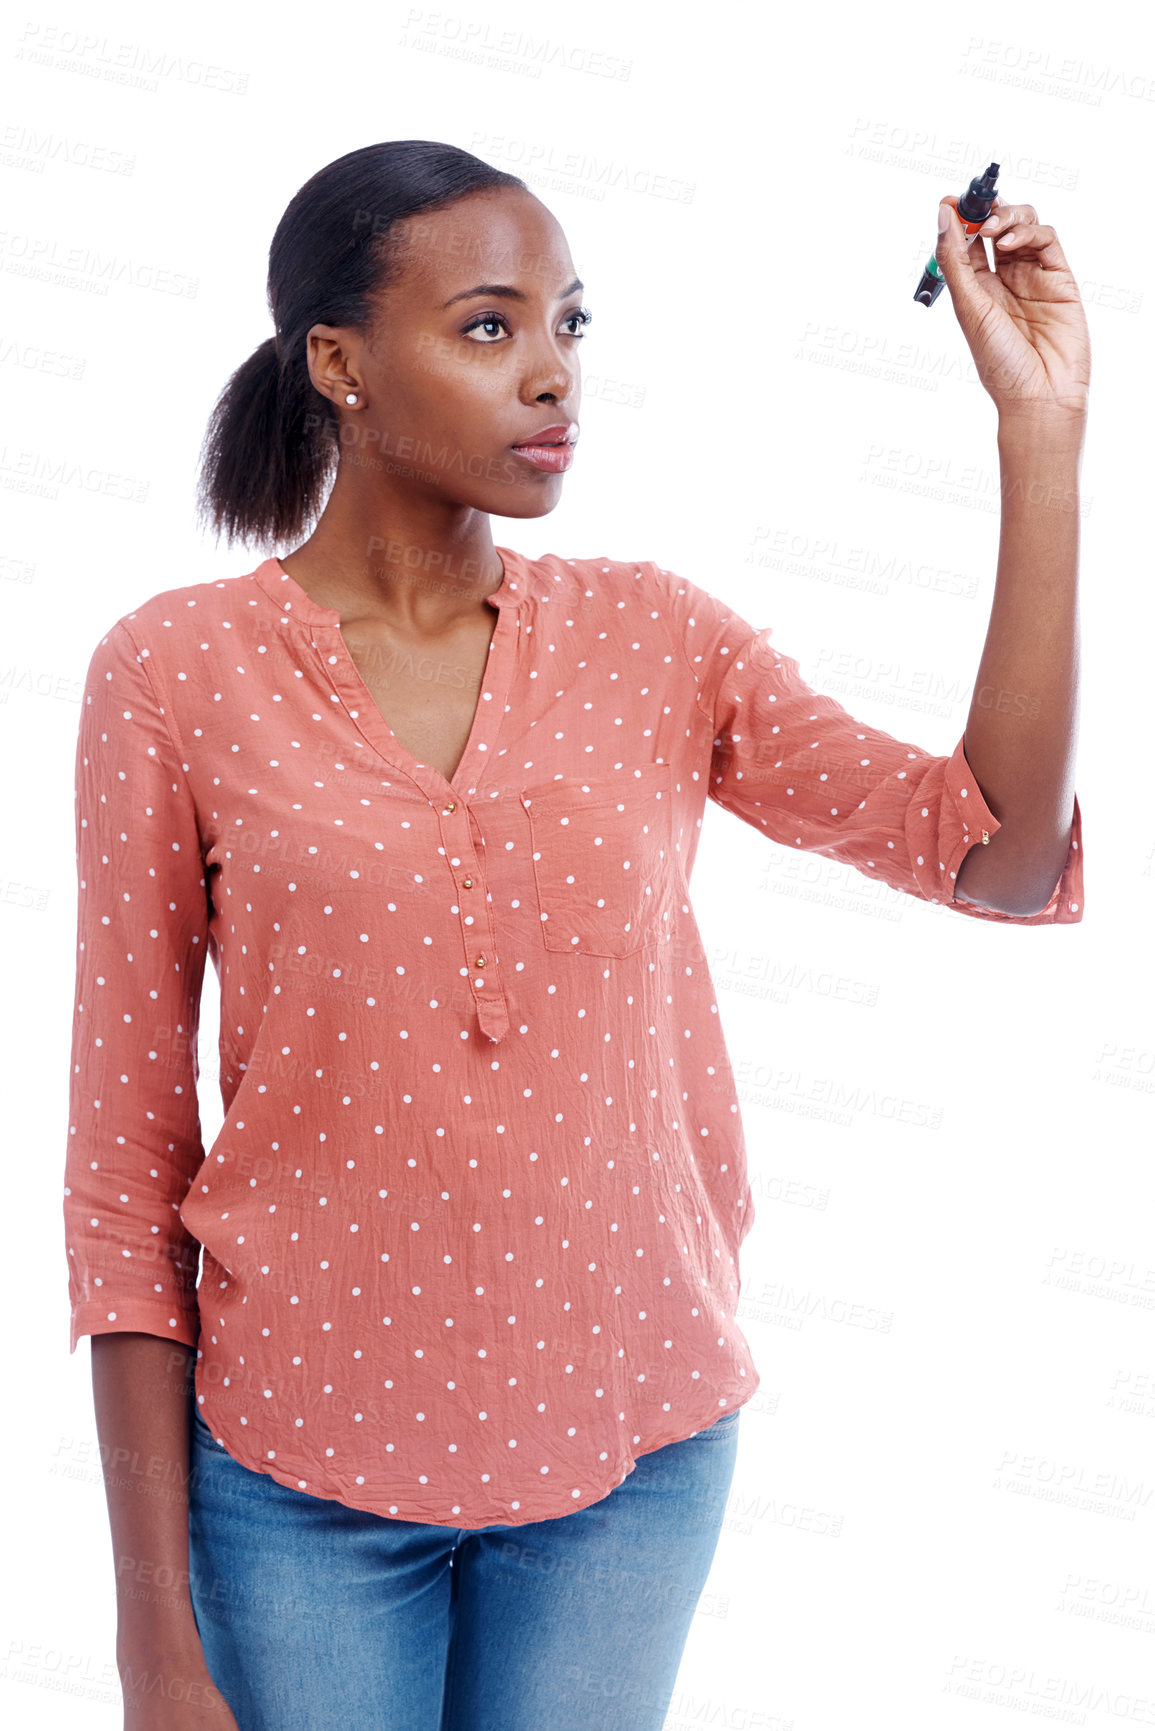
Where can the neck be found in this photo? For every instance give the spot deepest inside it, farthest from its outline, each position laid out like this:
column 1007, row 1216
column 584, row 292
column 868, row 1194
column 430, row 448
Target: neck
column 419, row 564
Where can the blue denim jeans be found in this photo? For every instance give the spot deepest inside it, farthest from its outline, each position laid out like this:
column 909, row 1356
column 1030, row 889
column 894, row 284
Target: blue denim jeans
column 318, row 1617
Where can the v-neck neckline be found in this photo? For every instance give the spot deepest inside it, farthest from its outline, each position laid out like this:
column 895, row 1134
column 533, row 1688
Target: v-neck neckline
column 324, row 629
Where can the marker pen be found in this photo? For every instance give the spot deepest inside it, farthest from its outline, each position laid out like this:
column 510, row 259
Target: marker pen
column 973, row 207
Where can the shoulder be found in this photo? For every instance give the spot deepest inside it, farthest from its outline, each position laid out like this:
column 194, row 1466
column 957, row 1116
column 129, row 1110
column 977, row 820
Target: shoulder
column 597, row 580
column 159, row 642
column 546, row 572
column 175, row 615
column 176, row 628
column 643, row 589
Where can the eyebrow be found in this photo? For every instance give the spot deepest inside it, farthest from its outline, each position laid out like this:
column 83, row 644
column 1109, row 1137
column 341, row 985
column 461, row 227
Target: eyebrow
column 510, row 294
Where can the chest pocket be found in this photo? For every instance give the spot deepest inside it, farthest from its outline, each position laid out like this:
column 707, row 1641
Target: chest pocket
column 603, row 860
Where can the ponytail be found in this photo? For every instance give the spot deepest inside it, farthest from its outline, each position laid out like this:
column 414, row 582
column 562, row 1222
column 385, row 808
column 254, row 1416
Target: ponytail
column 271, row 447
column 266, row 459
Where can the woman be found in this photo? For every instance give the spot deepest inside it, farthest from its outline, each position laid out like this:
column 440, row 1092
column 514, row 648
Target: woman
column 468, row 1377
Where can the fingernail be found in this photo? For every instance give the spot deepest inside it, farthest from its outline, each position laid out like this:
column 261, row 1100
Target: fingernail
column 943, row 217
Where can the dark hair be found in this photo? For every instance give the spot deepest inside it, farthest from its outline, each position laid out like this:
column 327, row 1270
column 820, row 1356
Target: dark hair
column 270, row 448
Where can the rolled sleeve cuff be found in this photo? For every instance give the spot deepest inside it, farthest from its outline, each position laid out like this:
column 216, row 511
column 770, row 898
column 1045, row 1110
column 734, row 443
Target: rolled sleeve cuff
column 976, row 820
column 136, row 1316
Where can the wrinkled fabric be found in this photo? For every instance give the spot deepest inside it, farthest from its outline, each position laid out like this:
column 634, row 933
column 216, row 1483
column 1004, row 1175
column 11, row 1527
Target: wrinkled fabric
column 472, row 1222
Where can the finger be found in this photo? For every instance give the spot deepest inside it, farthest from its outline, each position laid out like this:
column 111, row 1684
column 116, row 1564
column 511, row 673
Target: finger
column 953, row 252
column 1008, row 216
column 973, row 254
column 1004, row 227
column 1004, row 219
column 1037, row 239
column 970, row 297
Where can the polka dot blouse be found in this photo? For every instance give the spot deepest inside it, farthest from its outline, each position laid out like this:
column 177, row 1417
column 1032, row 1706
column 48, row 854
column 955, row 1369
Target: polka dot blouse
column 471, row 1225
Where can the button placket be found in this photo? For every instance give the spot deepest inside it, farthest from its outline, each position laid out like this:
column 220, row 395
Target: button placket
column 322, row 627
column 475, row 916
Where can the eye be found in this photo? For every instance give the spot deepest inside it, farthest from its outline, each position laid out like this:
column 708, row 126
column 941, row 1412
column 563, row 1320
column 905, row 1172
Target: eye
column 582, row 317
column 484, row 319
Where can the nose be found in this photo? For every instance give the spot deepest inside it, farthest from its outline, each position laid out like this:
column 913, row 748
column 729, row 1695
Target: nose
column 551, row 374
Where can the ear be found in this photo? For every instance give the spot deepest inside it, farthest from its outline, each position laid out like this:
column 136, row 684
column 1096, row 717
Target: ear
column 328, row 360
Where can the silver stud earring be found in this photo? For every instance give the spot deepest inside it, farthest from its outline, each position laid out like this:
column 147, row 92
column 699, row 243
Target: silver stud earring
column 351, row 396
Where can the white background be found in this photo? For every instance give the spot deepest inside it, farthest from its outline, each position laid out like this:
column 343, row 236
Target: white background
column 944, row 1507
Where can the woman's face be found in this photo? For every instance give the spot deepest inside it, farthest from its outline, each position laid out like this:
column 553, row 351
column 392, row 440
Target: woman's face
column 474, row 350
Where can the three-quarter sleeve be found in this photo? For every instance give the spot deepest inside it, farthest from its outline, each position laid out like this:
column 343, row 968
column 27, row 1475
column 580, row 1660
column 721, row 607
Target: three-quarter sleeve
column 800, row 768
column 134, row 1138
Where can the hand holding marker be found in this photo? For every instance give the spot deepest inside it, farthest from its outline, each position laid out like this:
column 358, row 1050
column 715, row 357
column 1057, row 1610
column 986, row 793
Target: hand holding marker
column 1021, row 313
column 973, row 208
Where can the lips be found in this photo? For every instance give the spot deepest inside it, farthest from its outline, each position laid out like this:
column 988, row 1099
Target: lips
column 563, row 433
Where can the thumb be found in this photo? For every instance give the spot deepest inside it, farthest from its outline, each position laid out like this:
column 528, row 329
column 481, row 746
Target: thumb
column 949, row 232
column 953, row 258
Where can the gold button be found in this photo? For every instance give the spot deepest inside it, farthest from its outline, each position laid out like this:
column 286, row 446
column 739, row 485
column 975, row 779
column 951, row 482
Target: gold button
column 451, row 807
column 467, row 883
column 986, row 838
column 479, row 962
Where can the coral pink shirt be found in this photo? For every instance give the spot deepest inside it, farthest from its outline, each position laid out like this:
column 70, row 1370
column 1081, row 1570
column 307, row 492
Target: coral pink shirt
column 471, row 1225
